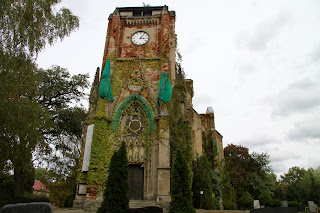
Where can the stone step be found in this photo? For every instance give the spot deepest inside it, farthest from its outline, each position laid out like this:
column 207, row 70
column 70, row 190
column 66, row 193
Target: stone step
column 142, row 203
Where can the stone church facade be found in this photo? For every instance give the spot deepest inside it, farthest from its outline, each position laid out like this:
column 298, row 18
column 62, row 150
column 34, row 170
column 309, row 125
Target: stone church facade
column 129, row 102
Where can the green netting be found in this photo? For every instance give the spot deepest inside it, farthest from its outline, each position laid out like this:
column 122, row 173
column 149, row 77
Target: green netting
column 125, row 103
column 105, row 85
column 165, row 89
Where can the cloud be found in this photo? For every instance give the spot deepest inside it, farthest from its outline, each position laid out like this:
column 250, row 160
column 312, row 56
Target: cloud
column 282, row 160
column 264, row 33
column 307, row 129
column 299, row 97
column 315, row 55
column 257, row 141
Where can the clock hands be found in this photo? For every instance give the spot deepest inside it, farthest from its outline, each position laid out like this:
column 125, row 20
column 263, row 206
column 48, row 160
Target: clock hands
column 142, row 35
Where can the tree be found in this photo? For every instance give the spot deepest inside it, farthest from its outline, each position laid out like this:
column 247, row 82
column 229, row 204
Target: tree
column 181, row 181
column 239, row 165
column 25, row 28
column 295, row 189
column 246, row 200
column 249, row 172
column 58, row 91
column 265, row 199
column 23, row 120
column 116, row 192
column 202, row 182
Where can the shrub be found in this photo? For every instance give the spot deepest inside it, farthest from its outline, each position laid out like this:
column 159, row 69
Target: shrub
column 265, row 199
column 276, row 203
column 229, row 205
column 116, row 192
column 246, row 201
column 294, row 204
column 181, row 182
column 202, row 182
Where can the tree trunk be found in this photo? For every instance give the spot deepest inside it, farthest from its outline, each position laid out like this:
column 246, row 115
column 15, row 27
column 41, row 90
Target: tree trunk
column 19, row 176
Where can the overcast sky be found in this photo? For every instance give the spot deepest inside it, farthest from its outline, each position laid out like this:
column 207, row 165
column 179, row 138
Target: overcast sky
column 256, row 63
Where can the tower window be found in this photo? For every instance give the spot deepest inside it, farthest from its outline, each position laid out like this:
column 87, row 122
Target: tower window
column 137, row 13
column 147, row 13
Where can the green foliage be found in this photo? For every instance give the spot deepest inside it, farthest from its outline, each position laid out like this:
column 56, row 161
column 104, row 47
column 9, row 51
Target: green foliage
column 7, row 193
column 249, row 172
column 116, row 192
column 228, row 194
column 27, row 26
column 180, row 149
column 265, row 199
column 23, row 120
column 300, row 185
column 58, row 89
column 296, row 184
column 276, row 203
column 202, row 181
column 180, row 126
column 210, row 146
column 294, row 204
column 246, row 200
column 229, row 205
column 181, row 180
column 239, row 166
column 62, row 190
column 101, row 151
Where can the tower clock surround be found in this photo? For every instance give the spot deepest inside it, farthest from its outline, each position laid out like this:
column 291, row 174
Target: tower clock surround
column 140, row 38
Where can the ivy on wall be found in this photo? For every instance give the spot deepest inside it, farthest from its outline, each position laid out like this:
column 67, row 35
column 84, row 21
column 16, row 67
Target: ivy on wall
column 180, row 148
column 104, row 140
column 180, row 125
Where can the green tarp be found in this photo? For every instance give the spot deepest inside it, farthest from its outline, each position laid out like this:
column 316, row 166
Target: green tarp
column 165, row 89
column 105, row 85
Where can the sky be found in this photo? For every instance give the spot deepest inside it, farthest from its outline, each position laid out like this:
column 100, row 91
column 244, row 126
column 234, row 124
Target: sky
column 255, row 62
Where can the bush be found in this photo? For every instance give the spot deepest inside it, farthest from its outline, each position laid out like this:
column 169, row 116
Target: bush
column 265, row 199
column 202, row 182
column 116, row 192
column 181, row 192
column 276, row 203
column 294, row 204
column 229, row 205
column 246, row 201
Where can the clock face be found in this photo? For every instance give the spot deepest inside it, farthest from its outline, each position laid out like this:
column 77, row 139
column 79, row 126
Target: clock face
column 140, row 38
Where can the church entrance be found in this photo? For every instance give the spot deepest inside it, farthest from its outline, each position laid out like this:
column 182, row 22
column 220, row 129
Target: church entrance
column 135, row 182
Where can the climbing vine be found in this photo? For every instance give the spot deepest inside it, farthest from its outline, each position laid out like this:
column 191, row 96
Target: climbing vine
column 180, row 125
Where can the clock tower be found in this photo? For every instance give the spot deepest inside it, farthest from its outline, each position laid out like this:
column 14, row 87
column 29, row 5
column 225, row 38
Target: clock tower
column 128, row 103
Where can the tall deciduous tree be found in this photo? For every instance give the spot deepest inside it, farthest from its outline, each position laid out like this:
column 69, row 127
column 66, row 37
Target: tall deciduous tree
column 239, row 165
column 249, row 172
column 58, row 91
column 23, row 120
column 26, row 27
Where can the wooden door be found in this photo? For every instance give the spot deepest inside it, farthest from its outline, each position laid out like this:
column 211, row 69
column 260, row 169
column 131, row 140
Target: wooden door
column 135, row 182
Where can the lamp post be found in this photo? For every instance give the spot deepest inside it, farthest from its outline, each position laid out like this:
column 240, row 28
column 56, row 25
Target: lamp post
column 201, row 193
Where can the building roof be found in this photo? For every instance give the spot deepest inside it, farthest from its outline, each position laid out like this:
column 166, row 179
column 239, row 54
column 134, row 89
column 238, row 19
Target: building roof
column 38, row 186
column 140, row 8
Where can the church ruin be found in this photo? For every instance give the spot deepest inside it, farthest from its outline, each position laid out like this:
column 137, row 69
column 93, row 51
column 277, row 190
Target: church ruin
column 130, row 100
